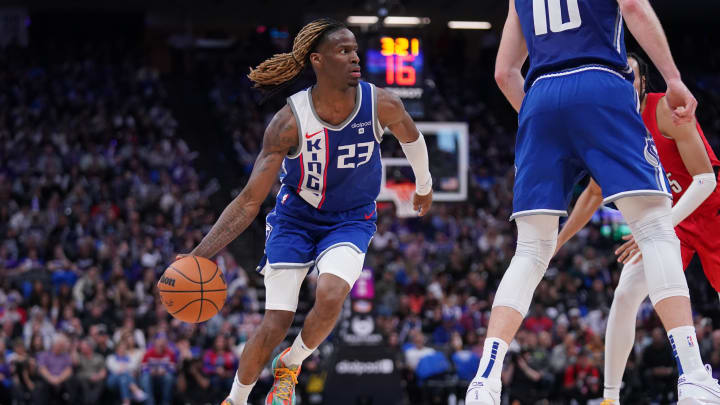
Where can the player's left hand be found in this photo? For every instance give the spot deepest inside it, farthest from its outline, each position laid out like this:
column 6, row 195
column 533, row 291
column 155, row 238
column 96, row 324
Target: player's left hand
column 629, row 252
column 422, row 203
column 681, row 102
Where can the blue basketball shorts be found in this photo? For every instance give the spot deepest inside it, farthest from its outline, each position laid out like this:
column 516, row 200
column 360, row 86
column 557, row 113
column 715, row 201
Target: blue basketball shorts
column 298, row 234
column 578, row 122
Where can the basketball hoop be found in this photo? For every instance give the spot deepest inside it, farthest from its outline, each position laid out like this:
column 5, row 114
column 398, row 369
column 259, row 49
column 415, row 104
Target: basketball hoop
column 402, row 196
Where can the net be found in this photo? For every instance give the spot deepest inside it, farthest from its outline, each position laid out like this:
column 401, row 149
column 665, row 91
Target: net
column 402, row 195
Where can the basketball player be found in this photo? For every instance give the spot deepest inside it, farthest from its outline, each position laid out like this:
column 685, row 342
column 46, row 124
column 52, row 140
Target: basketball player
column 580, row 116
column 686, row 155
column 326, row 140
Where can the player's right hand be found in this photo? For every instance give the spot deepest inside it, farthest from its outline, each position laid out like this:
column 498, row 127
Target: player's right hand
column 180, row 256
column 422, row 203
column 681, row 102
column 629, row 252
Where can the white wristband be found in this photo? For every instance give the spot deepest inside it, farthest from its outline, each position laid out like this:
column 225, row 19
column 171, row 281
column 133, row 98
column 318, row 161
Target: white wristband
column 417, row 155
column 700, row 189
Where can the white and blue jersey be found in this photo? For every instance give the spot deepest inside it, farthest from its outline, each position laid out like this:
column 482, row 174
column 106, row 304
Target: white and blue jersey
column 329, row 184
column 562, row 34
column 580, row 112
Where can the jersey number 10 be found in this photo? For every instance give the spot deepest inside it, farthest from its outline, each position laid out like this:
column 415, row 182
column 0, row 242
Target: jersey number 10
column 555, row 14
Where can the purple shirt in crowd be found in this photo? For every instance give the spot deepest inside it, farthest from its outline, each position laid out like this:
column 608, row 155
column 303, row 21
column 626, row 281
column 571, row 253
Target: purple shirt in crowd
column 55, row 363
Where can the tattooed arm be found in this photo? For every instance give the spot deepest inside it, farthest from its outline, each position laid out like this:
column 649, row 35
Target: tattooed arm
column 280, row 137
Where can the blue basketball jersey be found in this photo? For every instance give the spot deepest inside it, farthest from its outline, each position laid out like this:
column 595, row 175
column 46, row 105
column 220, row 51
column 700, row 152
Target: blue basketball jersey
column 562, row 34
column 336, row 167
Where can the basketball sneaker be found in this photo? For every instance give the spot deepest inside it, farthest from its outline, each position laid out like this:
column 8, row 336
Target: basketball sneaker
column 698, row 388
column 227, row 401
column 283, row 389
column 610, row 402
column 483, row 391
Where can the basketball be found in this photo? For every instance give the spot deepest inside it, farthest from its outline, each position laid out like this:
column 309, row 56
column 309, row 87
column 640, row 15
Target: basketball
column 192, row 289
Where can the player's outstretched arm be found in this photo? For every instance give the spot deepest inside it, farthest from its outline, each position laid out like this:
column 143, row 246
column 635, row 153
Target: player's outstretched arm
column 646, row 28
column 588, row 202
column 510, row 58
column 694, row 156
column 280, row 137
column 392, row 115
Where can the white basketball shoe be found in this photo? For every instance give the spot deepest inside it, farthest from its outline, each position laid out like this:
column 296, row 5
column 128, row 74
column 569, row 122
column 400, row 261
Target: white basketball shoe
column 698, row 388
column 483, row 391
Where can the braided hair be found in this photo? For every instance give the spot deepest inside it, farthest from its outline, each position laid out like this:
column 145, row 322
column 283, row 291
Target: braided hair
column 283, row 68
column 644, row 71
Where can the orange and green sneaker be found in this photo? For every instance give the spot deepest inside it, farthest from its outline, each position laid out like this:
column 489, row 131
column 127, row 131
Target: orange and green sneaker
column 283, row 389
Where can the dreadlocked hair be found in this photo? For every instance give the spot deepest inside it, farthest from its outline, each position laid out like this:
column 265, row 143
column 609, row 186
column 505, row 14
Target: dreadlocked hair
column 283, row 68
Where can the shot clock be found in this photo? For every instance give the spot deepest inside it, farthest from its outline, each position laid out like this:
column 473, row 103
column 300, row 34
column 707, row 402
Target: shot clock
column 396, row 63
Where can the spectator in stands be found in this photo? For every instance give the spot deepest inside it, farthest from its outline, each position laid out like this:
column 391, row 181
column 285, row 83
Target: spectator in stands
column 582, row 379
column 91, row 373
column 121, row 376
column 158, row 371
column 5, row 376
column 24, row 375
column 193, row 385
column 525, row 381
column 220, row 364
column 55, row 367
column 418, row 350
column 659, row 368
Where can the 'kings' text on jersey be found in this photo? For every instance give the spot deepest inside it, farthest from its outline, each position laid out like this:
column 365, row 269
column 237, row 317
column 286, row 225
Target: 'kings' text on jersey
column 336, row 167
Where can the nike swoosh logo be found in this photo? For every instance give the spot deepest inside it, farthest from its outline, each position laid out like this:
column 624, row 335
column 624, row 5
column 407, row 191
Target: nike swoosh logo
column 368, row 216
column 313, row 134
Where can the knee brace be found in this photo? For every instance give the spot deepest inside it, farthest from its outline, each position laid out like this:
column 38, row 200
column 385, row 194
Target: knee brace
column 650, row 219
column 537, row 238
column 660, row 248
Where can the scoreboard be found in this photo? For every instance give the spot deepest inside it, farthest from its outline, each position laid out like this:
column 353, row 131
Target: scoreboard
column 396, row 63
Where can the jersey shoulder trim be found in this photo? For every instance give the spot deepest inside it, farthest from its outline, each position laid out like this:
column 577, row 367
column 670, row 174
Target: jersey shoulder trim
column 293, row 154
column 377, row 127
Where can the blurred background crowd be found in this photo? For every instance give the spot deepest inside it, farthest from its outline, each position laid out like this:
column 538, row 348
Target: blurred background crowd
column 109, row 166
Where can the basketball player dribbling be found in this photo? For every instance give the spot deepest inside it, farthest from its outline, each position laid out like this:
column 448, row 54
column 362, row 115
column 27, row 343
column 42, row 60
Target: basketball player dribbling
column 688, row 159
column 578, row 115
column 326, row 141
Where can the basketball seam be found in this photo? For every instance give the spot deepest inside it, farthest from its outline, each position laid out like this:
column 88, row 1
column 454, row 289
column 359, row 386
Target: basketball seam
column 184, row 276
column 214, row 274
column 189, row 291
column 202, row 288
column 213, row 304
column 196, row 300
column 186, row 305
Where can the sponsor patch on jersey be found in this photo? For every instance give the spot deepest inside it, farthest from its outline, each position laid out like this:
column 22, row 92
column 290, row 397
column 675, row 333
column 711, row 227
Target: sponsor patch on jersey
column 361, row 124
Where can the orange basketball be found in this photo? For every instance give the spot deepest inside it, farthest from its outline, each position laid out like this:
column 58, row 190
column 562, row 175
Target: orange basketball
column 193, row 289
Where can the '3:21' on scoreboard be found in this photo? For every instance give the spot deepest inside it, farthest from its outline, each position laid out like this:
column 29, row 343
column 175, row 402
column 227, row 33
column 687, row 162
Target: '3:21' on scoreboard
column 396, row 63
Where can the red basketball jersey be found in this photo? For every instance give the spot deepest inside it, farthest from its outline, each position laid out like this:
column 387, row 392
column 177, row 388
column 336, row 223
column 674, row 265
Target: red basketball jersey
column 677, row 173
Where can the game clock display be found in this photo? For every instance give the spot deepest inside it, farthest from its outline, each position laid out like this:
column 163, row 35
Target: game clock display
column 396, row 63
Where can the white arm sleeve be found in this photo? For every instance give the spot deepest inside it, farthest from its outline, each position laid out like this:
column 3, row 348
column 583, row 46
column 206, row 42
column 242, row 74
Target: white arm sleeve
column 417, row 155
column 701, row 187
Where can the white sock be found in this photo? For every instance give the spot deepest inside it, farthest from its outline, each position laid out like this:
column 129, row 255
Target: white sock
column 492, row 358
column 685, row 349
column 298, row 352
column 240, row 392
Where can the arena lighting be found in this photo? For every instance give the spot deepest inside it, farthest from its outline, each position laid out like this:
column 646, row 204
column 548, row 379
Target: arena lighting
column 362, row 20
column 398, row 21
column 469, row 25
